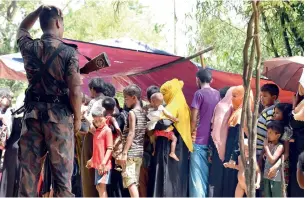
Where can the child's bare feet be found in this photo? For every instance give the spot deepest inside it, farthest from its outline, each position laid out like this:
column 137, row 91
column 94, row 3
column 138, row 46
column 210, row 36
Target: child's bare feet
column 174, row 156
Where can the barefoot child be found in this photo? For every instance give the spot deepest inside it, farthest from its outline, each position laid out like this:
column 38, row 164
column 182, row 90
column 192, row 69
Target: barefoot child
column 156, row 113
column 133, row 139
column 241, row 187
column 102, row 149
column 273, row 151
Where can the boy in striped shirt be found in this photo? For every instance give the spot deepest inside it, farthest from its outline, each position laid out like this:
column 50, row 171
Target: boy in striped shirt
column 269, row 96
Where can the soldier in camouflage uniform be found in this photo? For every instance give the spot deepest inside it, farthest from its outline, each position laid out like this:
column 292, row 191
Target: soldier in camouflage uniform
column 51, row 101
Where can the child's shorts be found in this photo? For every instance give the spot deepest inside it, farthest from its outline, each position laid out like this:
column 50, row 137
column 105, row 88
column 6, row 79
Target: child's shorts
column 102, row 179
column 131, row 173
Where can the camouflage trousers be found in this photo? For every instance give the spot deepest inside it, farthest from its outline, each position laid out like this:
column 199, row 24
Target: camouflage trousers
column 36, row 139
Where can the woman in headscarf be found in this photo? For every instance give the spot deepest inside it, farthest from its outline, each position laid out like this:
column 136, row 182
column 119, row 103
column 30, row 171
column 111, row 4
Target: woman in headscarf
column 229, row 154
column 170, row 177
column 219, row 135
column 296, row 147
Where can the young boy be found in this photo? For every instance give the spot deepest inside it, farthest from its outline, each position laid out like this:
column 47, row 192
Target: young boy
column 273, row 150
column 269, row 96
column 241, row 187
column 133, row 138
column 102, row 150
column 109, row 104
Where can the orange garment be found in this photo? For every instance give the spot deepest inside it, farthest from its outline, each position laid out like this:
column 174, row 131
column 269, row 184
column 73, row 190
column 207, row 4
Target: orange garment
column 102, row 139
column 237, row 104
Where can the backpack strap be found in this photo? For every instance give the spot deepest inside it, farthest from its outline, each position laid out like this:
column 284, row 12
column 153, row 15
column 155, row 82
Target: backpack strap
column 45, row 66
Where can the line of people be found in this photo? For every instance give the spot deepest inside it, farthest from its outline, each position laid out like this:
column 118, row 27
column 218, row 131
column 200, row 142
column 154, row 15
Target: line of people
column 150, row 151
column 215, row 167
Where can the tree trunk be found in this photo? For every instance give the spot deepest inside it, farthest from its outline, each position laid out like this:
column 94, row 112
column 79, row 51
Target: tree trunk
column 285, row 35
column 253, row 134
column 247, row 114
column 269, row 35
column 298, row 39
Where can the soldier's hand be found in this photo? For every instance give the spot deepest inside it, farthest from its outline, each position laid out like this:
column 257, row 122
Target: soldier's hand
column 49, row 7
column 77, row 125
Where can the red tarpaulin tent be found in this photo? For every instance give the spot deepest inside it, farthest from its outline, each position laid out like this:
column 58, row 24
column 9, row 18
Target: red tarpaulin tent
column 145, row 69
column 10, row 74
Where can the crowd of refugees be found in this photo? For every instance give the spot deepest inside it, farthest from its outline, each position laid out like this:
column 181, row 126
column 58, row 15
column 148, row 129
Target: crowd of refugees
column 161, row 149
column 166, row 149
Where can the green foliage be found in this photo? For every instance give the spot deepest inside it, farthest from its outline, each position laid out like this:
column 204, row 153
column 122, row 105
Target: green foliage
column 223, row 25
column 96, row 20
column 15, row 86
column 110, row 20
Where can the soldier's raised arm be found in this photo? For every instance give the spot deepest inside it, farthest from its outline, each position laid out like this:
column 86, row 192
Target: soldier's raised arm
column 24, row 38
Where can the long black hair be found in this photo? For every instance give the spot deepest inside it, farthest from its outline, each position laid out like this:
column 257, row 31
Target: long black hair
column 286, row 110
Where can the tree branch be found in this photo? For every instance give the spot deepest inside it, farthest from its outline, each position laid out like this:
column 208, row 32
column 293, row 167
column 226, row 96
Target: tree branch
column 246, row 47
column 286, row 39
column 298, row 38
column 269, row 35
column 250, row 169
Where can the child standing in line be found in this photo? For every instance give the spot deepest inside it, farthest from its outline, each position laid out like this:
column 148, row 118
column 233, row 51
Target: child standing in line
column 102, row 149
column 281, row 113
column 157, row 113
column 109, row 104
column 133, row 139
column 269, row 96
column 241, row 187
column 273, row 151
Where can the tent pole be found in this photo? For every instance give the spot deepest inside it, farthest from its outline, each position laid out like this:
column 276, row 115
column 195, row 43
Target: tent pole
column 202, row 62
column 199, row 53
column 182, row 59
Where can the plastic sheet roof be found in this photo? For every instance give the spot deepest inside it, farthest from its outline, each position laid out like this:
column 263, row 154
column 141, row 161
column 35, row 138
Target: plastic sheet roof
column 141, row 64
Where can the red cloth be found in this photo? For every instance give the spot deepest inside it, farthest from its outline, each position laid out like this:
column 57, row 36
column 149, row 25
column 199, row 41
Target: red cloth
column 168, row 135
column 10, row 74
column 102, row 139
column 125, row 62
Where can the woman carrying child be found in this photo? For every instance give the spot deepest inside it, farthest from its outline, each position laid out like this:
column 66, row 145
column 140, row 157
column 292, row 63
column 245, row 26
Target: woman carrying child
column 170, row 177
column 158, row 113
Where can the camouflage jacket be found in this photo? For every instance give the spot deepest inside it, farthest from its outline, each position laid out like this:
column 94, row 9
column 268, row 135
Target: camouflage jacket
column 62, row 73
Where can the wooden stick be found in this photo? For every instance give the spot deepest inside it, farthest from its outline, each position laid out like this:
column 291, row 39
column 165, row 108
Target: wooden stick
column 180, row 60
column 202, row 62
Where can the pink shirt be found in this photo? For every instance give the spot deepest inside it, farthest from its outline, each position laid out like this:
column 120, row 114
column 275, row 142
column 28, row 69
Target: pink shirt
column 102, row 139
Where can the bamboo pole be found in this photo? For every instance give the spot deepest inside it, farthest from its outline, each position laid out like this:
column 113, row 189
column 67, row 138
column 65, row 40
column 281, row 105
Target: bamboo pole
column 202, row 61
column 180, row 60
